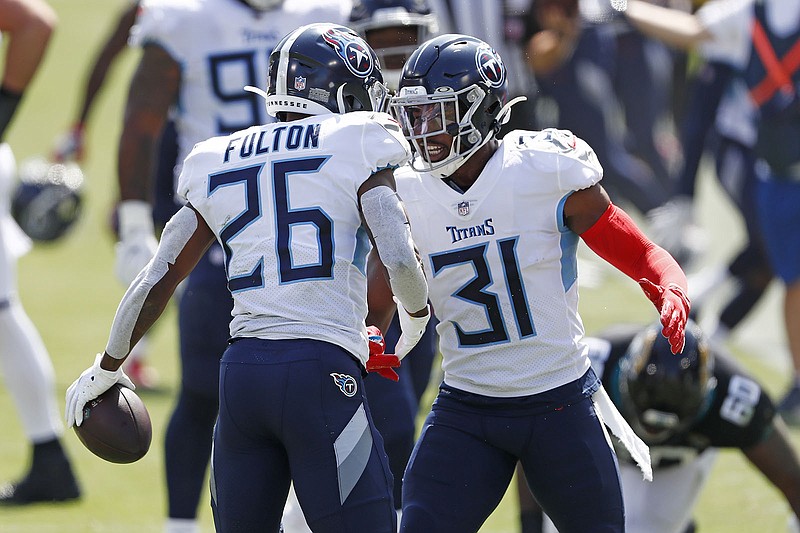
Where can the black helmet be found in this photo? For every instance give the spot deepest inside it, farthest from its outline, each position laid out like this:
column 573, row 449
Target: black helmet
column 370, row 15
column 466, row 78
column 324, row 68
column 47, row 200
column 663, row 394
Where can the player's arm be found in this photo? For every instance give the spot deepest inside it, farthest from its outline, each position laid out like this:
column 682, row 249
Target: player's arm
column 777, row 459
column 154, row 88
column 674, row 27
column 28, row 25
column 614, row 236
column 390, row 233
column 71, row 145
column 185, row 239
column 379, row 293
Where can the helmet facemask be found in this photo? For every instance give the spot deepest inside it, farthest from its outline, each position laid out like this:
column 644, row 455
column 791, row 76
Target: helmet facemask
column 424, row 116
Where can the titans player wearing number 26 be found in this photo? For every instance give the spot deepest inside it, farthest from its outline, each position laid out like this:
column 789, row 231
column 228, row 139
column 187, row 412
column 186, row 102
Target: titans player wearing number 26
column 197, row 57
column 497, row 224
column 294, row 205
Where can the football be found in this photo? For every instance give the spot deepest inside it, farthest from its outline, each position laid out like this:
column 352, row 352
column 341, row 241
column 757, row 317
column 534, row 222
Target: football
column 116, row 426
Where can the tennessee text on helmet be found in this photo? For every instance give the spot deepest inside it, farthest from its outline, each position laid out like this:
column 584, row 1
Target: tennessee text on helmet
column 47, row 200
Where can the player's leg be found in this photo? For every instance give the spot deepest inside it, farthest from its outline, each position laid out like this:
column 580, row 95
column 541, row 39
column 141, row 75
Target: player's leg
column 393, row 410
column 666, row 504
column 204, row 316
column 29, row 377
column 571, row 468
column 308, row 396
column 455, row 477
column 339, row 467
column 779, row 217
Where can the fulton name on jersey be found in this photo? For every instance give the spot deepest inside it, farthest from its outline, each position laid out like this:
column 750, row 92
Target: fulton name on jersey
column 280, row 138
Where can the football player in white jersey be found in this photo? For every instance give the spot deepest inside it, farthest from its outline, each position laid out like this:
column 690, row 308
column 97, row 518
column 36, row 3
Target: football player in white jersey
column 294, row 205
column 497, row 225
column 197, row 56
column 28, row 25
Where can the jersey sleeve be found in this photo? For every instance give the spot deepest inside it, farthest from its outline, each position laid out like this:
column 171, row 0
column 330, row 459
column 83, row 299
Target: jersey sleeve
column 191, row 186
column 568, row 158
column 383, row 143
column 164, row 23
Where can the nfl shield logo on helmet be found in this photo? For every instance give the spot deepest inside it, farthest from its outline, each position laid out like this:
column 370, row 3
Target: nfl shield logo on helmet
column 300, row 83
column 491, row 67
column 347, row 384
column 463, row 208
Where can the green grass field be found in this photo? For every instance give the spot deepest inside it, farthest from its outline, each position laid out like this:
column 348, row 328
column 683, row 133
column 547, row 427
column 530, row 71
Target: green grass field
column 69, row 291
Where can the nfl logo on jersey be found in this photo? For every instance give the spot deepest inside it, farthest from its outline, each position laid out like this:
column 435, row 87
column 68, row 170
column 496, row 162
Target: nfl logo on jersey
column 300, row 83
column 463, row 208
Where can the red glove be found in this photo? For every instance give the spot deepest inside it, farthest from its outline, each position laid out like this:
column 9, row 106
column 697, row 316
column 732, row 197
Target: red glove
column 379, row 362
column 674, row 305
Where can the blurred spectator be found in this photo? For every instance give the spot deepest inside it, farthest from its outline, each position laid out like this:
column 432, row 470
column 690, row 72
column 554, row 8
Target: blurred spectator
column 28, row 26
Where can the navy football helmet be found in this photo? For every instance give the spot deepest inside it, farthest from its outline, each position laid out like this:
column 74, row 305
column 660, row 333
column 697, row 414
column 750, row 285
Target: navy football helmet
column 662, row 393
column 368, row 16
column 454, row 84
column 324, row 68
column 47, row 200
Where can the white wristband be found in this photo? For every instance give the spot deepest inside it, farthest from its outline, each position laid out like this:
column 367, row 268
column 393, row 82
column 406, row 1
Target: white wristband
column 135, row 216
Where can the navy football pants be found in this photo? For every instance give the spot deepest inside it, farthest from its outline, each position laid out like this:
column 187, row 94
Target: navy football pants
column 295, row 410
column 470, row 444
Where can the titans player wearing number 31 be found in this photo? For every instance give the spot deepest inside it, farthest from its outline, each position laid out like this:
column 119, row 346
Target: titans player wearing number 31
column 294, row 205
column 497, row 226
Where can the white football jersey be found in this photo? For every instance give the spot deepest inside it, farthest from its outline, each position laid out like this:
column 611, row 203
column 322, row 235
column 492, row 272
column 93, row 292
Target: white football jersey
column 282, row 200
column 222, row 46
column 501, row 265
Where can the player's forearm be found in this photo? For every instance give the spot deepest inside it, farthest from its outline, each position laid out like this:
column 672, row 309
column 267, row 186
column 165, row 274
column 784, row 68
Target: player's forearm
column 671, row 26
column 180, row 248
column 617, row 239
column 389, row 226
column 105, row 59
column 135, row 160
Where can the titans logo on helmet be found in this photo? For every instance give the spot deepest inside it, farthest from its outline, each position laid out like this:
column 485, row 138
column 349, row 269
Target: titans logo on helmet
column 491, row 67
column 347, row 384
column 352, row 49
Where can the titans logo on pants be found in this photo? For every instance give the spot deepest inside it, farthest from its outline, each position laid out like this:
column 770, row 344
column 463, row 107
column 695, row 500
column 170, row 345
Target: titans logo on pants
column 347, row 384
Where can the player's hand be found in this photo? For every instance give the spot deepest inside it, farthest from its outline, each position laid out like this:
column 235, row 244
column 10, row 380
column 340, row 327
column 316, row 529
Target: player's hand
column 93, row 382
column 673, row 305
column 70, row 145
column 411, row 329
column 379, row 362
column 137, row 242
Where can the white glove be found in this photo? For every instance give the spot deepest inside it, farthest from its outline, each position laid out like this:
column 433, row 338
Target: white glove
column 137, row 241
column 93, row 382
column 411, row 329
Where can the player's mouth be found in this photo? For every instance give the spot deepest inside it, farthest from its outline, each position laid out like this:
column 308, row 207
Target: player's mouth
column 435, row 152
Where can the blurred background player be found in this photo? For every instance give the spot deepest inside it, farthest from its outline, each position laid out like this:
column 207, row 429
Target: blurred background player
column 291, row 339
column 686, row 408
column 29, row 376
column 71, row 146
column 193, row 55
column 757, row 38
